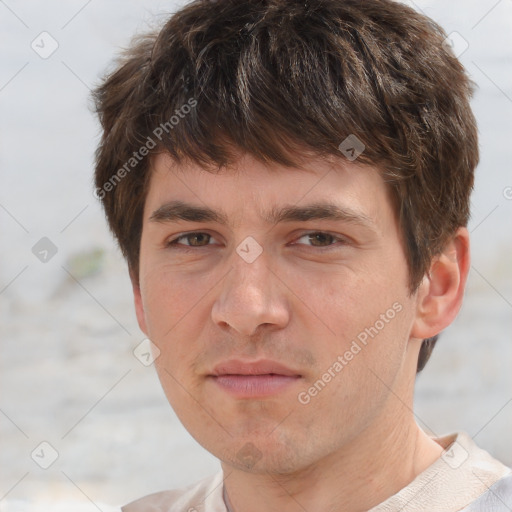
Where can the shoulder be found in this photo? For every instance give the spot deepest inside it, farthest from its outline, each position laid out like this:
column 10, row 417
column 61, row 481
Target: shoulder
column 498, row 498
column 205, row 496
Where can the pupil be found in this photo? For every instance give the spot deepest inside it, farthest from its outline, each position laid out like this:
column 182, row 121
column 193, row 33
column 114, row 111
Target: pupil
column 197, row 238
column 321, row 237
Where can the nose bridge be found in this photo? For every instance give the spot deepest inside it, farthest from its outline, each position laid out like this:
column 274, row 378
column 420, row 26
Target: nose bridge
column 250, row 295
column 252, row 278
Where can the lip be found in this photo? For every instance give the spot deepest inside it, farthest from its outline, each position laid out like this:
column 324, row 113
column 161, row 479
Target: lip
column 253, row 379
column 260, row 367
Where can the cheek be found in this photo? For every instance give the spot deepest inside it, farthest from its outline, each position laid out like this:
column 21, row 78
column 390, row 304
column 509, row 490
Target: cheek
column 359, row 369
column 351, row 305
column 169, row 297
column 172, row 307
column 177, row 309
column 362, row 324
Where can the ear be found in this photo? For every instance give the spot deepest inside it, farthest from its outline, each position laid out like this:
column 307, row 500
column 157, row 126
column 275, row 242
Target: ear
column 440, row 294
column 139, row 306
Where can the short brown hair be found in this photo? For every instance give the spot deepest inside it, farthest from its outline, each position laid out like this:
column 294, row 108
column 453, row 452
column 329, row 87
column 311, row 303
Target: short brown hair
column 266, row 76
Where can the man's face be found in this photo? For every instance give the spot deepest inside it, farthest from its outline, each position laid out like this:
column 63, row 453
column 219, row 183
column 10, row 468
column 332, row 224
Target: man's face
column 283, row 323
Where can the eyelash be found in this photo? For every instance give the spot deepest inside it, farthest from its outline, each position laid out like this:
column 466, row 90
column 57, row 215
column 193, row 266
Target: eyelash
column 174, row 243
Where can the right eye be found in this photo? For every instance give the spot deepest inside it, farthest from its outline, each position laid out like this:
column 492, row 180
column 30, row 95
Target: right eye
column 195, row 239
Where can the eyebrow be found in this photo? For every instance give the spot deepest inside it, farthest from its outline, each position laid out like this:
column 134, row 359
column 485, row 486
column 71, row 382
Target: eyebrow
column 179, row 210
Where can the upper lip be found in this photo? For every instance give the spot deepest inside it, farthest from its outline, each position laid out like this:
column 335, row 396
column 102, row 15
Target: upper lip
column 259, row 367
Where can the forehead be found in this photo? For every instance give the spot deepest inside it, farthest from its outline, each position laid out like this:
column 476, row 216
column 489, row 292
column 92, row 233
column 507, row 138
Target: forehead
column 250, row 188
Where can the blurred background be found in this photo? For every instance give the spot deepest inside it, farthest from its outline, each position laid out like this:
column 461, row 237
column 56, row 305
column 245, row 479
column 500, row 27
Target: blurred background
column 82, row 419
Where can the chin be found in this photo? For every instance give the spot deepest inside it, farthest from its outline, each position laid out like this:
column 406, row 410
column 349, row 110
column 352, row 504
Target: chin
column 263, row 453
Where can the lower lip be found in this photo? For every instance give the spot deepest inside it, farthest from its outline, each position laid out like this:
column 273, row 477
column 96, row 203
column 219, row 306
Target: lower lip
column 254, row 386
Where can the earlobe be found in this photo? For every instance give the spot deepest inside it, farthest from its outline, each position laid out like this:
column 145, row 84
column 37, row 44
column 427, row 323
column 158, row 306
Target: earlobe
column 440, row 295
column 139, row 306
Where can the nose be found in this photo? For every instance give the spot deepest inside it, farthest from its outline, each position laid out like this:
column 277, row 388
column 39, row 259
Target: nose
column 251, row 296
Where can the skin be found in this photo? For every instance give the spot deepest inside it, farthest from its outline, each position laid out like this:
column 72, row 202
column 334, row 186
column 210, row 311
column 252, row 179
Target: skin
column 301, row 302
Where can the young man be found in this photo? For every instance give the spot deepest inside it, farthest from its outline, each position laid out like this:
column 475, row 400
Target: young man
column 289, row 182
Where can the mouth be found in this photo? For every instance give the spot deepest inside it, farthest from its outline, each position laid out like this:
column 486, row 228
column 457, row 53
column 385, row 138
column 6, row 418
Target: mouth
column 253, row 379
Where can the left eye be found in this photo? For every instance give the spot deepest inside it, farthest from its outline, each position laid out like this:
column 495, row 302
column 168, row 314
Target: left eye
column 320, row 239
column 194, row 240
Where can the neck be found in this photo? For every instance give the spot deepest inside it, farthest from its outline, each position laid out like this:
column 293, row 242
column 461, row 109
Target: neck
column 355, row 478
